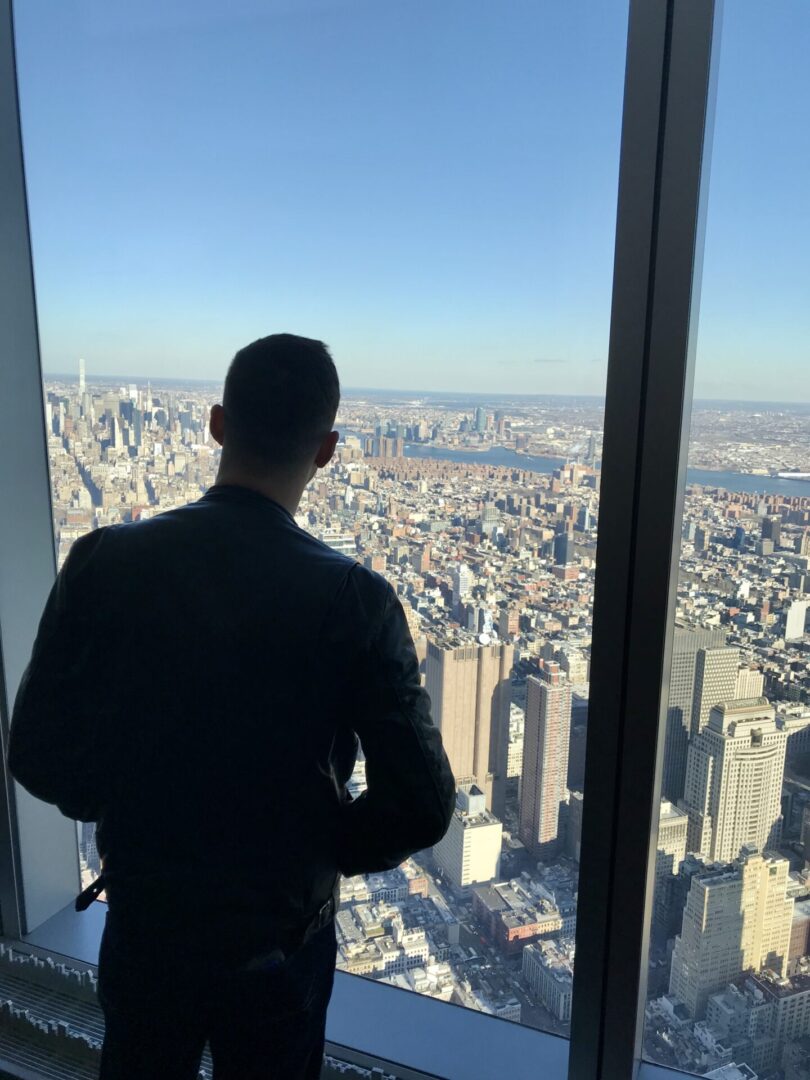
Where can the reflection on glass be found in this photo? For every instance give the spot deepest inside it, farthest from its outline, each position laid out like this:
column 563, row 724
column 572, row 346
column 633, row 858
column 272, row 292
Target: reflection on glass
column 430, row 189
column 729, row 976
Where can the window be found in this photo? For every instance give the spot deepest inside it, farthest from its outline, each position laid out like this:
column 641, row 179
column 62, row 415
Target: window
column 734, row 765
column 432, row 190
column 170, row 225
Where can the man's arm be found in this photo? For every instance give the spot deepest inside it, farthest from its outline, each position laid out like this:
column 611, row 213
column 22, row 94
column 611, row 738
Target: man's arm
column 411, row 789
column 53, row 746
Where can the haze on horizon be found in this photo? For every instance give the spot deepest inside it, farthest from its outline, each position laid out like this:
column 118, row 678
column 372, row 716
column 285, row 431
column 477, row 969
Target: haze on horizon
column 353, row 392
column 200, row 176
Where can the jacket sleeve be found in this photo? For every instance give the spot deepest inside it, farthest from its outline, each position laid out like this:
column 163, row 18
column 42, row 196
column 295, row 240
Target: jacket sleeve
column 411, row 790
column 53, row 749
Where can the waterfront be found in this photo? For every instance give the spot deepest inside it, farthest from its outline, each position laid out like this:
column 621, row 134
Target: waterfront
column 731, row 481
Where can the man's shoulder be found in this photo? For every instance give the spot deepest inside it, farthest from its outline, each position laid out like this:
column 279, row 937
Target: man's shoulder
column 369, row 595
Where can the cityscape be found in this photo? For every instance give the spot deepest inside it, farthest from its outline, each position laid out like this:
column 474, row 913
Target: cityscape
column 482, row 511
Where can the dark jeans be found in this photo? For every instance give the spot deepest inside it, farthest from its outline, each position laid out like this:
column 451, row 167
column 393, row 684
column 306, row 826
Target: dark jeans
column 163, row 999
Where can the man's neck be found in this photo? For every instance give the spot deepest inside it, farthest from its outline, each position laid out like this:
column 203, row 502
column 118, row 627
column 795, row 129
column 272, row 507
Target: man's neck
column 282, row 490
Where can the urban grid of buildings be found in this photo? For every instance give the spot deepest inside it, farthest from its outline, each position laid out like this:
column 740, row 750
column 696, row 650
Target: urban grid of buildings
column 484, row 518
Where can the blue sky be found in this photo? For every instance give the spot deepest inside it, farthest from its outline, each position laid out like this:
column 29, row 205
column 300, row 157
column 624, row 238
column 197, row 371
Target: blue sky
column 428, row 185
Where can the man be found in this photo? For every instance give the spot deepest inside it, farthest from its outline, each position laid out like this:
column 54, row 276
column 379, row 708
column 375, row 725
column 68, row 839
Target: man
column 197, row 687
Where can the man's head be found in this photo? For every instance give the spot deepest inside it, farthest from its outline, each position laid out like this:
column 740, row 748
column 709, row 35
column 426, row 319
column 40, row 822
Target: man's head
column 281, row 397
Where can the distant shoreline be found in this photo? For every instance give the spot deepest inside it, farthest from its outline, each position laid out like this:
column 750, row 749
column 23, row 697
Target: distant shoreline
column 351, row 392
column 745, row 483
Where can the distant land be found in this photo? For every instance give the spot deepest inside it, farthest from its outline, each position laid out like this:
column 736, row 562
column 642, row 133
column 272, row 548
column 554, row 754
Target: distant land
column 446, row 397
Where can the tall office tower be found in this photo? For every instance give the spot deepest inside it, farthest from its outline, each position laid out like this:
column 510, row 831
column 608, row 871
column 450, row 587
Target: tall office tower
column 750, row 683
column 462, row 583
column 545, row 759
column 489, row 518
column 772, row 529
column 480, row 419
column 737, row 917
column 574, row 664
column 669, row 854
column 795, row 618
column 573, row 826
column 82, row 378
column 508, row 622
column 590, row 453
column 715, row 681
column 470, row 691
column 470, row 851
column 734, row 780
column 563, row 548
column 687, row 641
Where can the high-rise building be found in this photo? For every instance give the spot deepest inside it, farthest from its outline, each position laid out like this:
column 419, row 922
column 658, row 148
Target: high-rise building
column 686, row 644
column 508, row 622
column 563, row 548
column 462, row 583
column 715, row 681
column 795, row 619
column 548, row 968
column 470, row 690
column 670, row 853
column 573, row 827
column 545, row 759
column 480, row 419
column 470, row 851
column 772, row 529
column 734, row 780
column 750, row 682
column 574, row 664
column 82, row 378
column 737, row 917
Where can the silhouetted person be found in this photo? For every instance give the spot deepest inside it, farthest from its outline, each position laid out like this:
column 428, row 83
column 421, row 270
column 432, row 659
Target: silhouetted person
column 197, row 687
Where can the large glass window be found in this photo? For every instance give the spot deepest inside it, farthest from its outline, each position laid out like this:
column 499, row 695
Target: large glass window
column 431, row 189
column 729, row 975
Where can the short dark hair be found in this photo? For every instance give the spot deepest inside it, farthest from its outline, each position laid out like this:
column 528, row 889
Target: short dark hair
column 281, row 397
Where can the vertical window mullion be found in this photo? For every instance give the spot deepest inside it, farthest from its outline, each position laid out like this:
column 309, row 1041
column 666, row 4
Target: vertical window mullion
column 38, row 847
column 659, row 239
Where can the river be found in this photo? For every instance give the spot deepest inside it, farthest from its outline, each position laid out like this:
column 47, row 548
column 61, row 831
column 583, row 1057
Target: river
column 731, row 481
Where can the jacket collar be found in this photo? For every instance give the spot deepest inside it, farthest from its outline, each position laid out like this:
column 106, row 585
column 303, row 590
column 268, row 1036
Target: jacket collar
column 235, row 493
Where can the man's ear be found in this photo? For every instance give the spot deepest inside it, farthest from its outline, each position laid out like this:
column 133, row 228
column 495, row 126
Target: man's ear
column 326, row 449
column 216, row 424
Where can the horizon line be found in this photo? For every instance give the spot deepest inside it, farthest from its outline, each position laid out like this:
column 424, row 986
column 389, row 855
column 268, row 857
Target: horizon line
column 180, row 380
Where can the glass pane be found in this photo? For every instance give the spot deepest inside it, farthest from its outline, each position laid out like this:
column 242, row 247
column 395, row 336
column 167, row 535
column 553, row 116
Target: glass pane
column 431, row 189
column 729, row 975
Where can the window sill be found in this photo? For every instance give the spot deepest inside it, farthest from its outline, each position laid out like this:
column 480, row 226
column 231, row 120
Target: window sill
column 375, row 1019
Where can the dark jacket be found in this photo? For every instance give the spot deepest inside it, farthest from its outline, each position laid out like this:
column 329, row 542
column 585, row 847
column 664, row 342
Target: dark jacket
column 197, row 687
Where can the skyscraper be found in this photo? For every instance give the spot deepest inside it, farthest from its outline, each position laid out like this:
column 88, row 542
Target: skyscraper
column 470, row 691
column 772, row 529
column 737, row 917
column 715, row 682
column 545, row 759
column 688, row 640
column 750, row 683
column 795, row 618
column 82, row 378
column 462, row 583
column 470, row 851
column 670, row 853
column 734, row 780
column 563, row 548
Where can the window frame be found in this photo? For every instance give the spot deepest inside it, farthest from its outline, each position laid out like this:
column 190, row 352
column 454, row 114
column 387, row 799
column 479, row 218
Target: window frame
column 668, row 111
